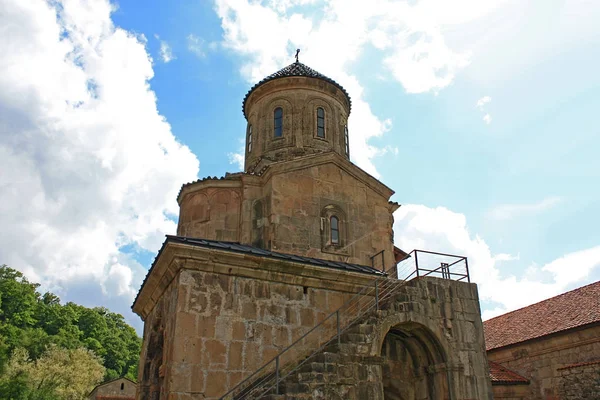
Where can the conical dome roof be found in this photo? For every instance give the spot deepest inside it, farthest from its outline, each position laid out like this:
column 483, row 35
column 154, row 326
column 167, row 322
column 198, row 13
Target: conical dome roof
column 295, row 69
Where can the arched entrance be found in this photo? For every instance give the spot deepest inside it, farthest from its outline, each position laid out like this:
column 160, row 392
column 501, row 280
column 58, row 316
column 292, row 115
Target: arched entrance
column 415, row 364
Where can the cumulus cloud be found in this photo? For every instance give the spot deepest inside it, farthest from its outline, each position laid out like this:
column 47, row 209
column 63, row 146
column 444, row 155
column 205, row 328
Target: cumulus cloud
column 87, row 164
column 197, row 45
column 440, row 229
column 166, row 53
column 236, row 159
column 510, row 211
column 333, row 34
column 481, row 103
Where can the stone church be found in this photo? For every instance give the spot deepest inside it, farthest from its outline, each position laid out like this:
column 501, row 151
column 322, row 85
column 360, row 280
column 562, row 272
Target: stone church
column 282, row 281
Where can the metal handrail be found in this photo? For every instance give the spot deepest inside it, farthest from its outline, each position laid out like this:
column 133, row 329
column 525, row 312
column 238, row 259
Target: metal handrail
column 381, row 289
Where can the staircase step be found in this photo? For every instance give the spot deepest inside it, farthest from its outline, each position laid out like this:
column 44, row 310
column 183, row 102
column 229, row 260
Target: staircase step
column 354, row 337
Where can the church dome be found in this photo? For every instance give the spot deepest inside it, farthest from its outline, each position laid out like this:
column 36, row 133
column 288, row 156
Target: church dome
column 293, row 113
column 296, row 69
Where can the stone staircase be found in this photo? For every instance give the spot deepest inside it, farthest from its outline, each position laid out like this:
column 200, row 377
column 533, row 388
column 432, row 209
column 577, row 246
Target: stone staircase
column 340, row 371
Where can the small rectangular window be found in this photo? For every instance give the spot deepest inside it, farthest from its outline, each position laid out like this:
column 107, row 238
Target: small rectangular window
column 320, row 122
column 335, row 231
column 278, row 122
column 346, row 140
column 249, row 138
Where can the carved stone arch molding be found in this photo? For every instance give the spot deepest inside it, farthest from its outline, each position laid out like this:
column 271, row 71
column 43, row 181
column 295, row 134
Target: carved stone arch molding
column 225, row 207
column 255, row 122
column 195, row 208
column 309, row 123
column 416, row 358
column 287, row 139
column 327, row 246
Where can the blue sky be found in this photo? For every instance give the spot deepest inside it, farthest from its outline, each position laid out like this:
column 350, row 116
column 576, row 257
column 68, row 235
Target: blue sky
column 480, row 114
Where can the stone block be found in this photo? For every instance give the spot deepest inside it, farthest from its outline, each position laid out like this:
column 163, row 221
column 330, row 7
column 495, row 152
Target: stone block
column 206, row 327
column 238, row 330
column 216, row 351
column 197, row 379
column 307, row 317
column 216, row 383
column 249, row 310
column 235, row 356
column 223, row 329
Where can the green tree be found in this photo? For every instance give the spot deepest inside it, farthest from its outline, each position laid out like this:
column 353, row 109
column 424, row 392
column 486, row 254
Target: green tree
column 66, row 374
column 35, row 322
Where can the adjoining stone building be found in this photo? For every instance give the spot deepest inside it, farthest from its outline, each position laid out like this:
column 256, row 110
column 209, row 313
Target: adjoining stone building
column 116, row 389
column 268, row 263
column 549, row 350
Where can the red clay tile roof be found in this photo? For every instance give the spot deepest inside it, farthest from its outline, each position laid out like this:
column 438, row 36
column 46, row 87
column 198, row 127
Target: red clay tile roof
column 581, row 364
column 569, row 310
column 500, row 375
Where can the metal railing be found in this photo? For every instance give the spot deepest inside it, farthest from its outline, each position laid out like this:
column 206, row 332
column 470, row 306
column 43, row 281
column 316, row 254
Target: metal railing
column 268, row 378
column 450, row 266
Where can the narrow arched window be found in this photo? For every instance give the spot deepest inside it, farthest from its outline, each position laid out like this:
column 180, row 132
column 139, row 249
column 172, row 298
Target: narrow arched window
column 347, row 142
column 249, row 138
column 122, row 386
column 278, row 122
column 320, row 122
column 334, row 226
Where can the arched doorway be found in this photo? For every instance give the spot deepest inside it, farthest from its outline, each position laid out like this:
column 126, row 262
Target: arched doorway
column 415, row 364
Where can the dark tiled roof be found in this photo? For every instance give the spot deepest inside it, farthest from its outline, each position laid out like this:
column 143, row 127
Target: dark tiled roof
column 502, row 375
column 242, row 248
column 295, row 69
column 569, row 310
column 209, row 178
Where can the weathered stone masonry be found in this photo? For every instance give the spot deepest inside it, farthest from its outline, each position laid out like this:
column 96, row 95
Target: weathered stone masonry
column 264, row 255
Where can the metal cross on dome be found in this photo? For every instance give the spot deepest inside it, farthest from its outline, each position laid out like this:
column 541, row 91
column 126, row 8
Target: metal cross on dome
column 297, row 52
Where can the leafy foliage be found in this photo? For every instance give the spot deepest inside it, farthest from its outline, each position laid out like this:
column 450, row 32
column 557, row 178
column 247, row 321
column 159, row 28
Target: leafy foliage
column 36, row 328
column 66, row 374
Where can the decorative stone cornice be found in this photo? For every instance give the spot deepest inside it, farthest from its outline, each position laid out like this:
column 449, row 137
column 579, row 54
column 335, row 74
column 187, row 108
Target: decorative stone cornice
column 173, row 257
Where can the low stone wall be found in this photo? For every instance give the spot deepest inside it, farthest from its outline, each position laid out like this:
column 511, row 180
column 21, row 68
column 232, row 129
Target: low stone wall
column 539, row 360
column 580, row 381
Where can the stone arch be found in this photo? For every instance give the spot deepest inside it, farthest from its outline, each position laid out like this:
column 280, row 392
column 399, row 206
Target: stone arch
column 195, row 208
column 225, row 214
column 287, row 139
column 309, row 123
column 327, row 213
column 416, row 362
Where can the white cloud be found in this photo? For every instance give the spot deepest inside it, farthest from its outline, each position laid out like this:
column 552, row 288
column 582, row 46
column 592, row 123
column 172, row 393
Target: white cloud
column 440, row 229
column 483, row 101
column 332, row 34
column 509, row 211
column 87, row 164
column 196, row 45
column 166, row 53
column 237, row 159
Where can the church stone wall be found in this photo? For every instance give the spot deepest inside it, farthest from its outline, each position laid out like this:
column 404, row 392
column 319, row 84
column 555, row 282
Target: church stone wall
column 539, row 360
column 213, row 213
column 301, row 226
column 299, row 98
column 157, row 349
column 229, row 326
